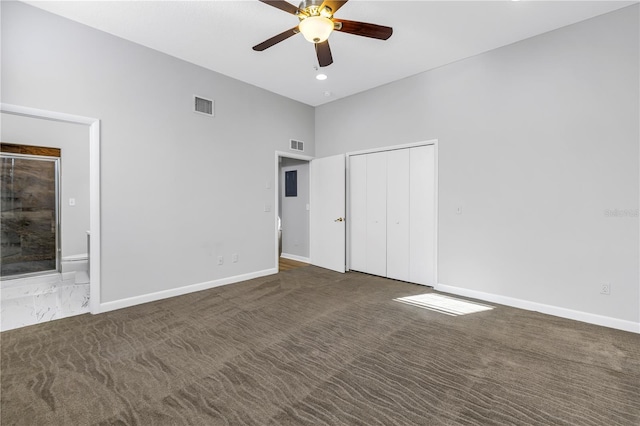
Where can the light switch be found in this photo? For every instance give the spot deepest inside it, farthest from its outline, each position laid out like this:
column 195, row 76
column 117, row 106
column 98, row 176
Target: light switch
column 72, row 201
column 459, row 210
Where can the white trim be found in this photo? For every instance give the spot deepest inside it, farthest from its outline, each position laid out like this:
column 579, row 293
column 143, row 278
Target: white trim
column 94, row 184
column 295, row 257
column 293, row 155
column 393, row 147
column 46, row 115
column 276, row 204
column 347, row 212
column 433, row 142
column 95, row 262
column 76, row 257
column 436, row 161
column 165, row 294
column 543, row 308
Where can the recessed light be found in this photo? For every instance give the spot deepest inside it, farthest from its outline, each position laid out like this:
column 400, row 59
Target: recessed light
column 321, row 77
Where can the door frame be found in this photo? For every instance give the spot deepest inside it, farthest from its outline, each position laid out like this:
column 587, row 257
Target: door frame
column 276, row 198
column 94, row 187
column 348, row 155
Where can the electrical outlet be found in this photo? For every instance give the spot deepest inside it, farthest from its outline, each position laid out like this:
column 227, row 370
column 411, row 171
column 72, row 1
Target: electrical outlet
column 234, row 257
column 605, row 288
column 220, row 260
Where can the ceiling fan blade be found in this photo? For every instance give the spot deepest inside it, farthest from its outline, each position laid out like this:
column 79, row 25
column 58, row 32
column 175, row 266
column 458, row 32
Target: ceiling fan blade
column 324, row 53
column 334, row 5
column 364, row 29
column 282, row 5
column 276, row 39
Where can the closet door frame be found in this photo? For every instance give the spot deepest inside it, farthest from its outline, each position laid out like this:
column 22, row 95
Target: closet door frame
column 433, row 142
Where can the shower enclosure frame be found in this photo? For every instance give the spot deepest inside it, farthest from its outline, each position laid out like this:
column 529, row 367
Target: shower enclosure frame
column 57, row 205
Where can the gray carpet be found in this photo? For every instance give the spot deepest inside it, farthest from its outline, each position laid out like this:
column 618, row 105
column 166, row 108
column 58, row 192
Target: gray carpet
column 313, row 347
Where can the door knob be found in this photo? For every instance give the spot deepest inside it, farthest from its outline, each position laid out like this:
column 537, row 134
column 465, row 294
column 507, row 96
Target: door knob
column 340, row 219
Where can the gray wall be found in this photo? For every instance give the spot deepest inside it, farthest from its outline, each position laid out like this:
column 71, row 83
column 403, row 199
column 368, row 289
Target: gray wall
column 178, row 188
column 537, row 140
column 293, row 210
column 73, row 140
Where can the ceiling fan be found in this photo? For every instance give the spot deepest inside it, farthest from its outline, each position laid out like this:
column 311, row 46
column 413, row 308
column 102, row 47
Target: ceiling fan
column 317, row 23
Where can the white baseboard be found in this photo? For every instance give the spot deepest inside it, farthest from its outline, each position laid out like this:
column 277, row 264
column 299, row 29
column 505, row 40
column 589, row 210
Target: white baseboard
column 75, row 257
column 165, row 294
column 295, row 257
column 545, row 309
column 74, row 265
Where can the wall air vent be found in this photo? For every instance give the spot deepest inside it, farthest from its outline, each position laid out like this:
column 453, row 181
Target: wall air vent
column 296, row 145
column 202, row 105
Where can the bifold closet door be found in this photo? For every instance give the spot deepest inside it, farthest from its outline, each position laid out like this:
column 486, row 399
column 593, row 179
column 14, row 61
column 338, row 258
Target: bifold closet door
column 392, row 214
column 398, row 168
column 422, row 215
column 376, row 193
column 358, row 213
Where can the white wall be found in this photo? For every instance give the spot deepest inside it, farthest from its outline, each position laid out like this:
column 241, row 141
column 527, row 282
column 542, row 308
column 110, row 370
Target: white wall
column 73, row 140
column 178, row 189
column 293, row 210
column 536, row 141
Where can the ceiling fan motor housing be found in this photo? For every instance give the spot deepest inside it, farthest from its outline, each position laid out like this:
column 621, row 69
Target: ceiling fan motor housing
column 312, row 8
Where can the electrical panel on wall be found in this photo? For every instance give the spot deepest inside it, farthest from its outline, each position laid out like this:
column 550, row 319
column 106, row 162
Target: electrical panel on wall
column 296, row 145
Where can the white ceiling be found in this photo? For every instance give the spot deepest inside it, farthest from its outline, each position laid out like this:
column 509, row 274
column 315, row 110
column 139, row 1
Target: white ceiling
column 218, row 35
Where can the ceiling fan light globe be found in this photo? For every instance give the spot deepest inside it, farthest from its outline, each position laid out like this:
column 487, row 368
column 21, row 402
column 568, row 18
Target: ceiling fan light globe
column 316, row 29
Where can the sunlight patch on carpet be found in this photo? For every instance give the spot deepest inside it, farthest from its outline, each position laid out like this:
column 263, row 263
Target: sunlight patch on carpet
column 444, row 304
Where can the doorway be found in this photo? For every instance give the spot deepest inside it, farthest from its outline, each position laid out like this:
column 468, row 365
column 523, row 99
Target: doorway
column 326, row 210
column 292, row 211
column 93, row 125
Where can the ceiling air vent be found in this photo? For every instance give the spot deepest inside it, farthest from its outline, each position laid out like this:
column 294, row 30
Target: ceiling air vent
column 202, row 105
column 296, row 145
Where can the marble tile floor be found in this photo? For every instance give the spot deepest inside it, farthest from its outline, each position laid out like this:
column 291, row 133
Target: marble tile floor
column 28, row 301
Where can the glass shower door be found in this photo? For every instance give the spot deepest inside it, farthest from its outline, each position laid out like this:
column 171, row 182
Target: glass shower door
column 29, row 214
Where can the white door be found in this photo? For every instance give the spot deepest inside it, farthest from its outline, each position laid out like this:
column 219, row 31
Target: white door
column 398, row 214
column 327, row 212
column 377, row 214
column 422, row 215
column 358, row 213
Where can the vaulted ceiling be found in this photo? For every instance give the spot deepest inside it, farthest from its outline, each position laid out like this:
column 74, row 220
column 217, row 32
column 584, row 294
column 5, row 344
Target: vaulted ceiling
column 219, row 35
